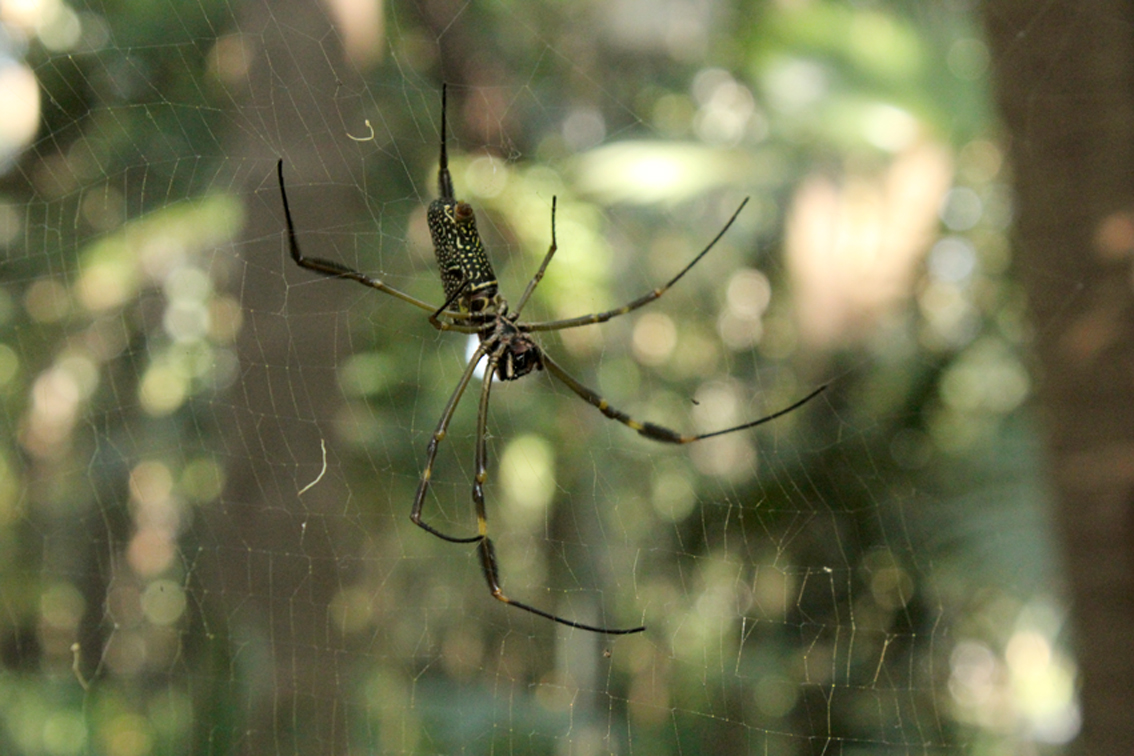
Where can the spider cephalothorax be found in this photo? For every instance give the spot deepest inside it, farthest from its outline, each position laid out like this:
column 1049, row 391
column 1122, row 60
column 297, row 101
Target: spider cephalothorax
column 473, row 305
column 519, row 354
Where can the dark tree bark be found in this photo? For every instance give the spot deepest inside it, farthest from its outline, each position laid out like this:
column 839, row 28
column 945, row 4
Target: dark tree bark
column 271, row 559
column 1064, row 73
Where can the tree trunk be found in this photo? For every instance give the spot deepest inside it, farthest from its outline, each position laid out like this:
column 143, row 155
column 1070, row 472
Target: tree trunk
column 271, row 559
column 1064, row 71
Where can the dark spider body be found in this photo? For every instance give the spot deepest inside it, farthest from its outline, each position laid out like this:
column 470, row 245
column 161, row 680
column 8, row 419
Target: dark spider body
column 474, row 305
column 465, row 270
column 466, row 274
column 517, row 353
column 470, row 283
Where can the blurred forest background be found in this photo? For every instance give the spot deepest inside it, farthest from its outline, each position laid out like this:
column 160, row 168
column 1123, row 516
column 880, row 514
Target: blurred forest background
column 208, row 455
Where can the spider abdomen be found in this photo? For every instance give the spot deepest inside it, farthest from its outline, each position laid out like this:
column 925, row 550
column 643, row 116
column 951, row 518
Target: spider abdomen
column 460, row 254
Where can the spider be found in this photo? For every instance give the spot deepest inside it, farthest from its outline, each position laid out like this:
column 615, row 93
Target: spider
column 506, row 343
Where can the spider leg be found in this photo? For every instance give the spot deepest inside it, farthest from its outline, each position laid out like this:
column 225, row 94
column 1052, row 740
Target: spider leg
column 485, row 549
column 652, row 430
column 488, row 563
column 645, row 299
column 543, row 266
column 338, row 270
column 431, row 456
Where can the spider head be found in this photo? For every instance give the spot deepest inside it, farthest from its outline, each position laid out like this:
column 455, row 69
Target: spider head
column 521, row 357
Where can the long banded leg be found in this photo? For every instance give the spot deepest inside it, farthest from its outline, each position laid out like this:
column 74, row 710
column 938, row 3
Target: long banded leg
column 431, row 455
column 338, row 270
column 652, row 430
column 444, row 178
column 480, row 472
column 645, row 299
column 542, row 267
column 485, row 549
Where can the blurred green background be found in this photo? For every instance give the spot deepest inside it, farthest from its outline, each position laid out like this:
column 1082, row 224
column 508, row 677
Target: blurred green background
column 208, row 456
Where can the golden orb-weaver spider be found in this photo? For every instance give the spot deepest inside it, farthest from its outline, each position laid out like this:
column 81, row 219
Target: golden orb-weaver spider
column 470, row 284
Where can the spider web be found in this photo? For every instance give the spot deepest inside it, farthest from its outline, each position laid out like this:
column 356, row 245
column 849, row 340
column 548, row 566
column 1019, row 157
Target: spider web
column 212, row 453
